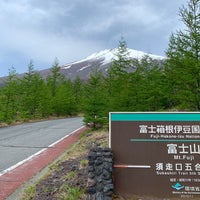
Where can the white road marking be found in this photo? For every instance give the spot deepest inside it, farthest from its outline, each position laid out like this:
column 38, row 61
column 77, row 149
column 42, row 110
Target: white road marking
column 36, row 154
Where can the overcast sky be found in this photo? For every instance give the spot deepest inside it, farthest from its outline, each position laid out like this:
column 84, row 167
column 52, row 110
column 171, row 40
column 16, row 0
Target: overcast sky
column 41, row 30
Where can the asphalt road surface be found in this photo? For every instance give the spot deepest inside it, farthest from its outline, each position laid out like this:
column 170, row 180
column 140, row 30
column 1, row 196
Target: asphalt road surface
column 19, row 142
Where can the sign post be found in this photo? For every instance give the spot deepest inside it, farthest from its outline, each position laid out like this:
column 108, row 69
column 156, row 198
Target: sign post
column 156, row 155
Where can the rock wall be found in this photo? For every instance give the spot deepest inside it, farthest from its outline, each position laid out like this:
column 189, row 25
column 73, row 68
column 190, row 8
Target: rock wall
column 100, row 170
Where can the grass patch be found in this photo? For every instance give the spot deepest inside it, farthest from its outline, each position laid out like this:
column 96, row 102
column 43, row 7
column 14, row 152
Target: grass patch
column 83, row 163
column 74, row 193
column 29, row 193
column 69, row 193
column 70, row 175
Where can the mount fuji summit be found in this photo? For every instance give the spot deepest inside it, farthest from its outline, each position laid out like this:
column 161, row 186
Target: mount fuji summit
column 102, row 60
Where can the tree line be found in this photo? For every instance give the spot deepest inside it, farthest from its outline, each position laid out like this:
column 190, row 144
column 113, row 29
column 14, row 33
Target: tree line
column 129, row 85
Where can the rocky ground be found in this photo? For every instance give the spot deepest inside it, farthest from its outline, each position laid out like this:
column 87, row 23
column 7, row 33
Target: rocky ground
column 65, row 181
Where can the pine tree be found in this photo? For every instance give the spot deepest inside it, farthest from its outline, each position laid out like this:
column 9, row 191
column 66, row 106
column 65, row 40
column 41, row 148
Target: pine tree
column 10, row 100
column 64, row 101
column 32, row 92
column 54, row 81
column 55, row 78
column 118, row 79
column 78, row 93
column 183, row 64
column 148, row 85
column 95, row 112
column 121, row 63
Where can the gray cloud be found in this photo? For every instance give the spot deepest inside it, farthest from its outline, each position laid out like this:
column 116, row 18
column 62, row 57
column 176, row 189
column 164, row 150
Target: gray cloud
column 71, row 30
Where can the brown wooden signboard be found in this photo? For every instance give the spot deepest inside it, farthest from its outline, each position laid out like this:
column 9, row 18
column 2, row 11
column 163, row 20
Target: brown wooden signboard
column 156, row 155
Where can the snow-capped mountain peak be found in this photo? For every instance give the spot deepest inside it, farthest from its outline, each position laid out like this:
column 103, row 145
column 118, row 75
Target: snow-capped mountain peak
column 102, row 60
column 107, row 56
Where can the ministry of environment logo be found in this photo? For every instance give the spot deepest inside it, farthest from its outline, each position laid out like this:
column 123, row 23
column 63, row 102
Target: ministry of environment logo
column 178, row 186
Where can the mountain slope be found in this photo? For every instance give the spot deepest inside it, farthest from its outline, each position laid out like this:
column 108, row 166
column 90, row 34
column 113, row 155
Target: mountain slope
column 102, row 60
column 84, row 67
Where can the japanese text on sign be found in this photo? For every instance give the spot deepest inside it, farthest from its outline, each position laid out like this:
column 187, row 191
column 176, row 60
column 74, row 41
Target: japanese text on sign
column 170, row 129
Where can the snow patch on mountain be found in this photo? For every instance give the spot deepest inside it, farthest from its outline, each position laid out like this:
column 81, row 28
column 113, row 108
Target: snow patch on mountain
column 67, row 67
column 84, row 67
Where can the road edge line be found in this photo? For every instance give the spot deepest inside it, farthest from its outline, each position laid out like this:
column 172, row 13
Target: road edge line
column 37, row 153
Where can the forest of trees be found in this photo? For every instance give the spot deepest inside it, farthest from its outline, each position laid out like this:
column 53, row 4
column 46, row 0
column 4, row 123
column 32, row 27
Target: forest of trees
column 129, row 85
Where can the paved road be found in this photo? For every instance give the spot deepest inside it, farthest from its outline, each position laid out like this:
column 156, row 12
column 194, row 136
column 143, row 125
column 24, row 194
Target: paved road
column 19, row 142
